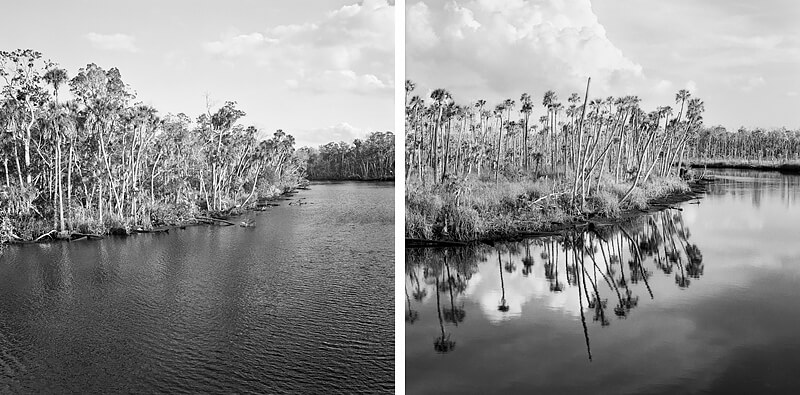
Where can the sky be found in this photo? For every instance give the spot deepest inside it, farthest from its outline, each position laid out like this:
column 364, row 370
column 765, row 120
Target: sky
column 741, row 57
column 321, row 70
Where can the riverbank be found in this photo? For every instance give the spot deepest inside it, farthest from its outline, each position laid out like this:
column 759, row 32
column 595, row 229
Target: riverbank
column 355, row 179
column 483, row 212
column 112, row 226
column 785, row 167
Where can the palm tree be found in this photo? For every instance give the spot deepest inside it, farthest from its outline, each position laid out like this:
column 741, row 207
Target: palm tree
column 498, row 113
column 681, row 98
column 440, row 98
column 527, row 108
column 55, row 77
column 410, row 86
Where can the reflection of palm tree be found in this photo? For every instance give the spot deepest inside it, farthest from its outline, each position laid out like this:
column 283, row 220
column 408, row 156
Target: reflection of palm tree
column 695, row 265
column 442, row 344
column 411, row 315
column 674, row 255
column 510, row 266
column 419, row 293
column 527, row 262
column 580, row 301
column 597, row 303
column 619, row 310
column 454, row 314
column 555, row 286
column 503, row 306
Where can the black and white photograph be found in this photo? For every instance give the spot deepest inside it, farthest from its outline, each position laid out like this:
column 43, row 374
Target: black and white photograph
column 601, row 197
column 197, row 197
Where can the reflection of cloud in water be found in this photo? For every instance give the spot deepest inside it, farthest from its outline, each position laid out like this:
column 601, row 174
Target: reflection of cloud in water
column 485, row 288
column 486, row 291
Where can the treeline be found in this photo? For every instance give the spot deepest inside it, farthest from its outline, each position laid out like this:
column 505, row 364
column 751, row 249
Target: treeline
column 583, row 142
column 102, row 160
column 370, row 159
column 717, row 143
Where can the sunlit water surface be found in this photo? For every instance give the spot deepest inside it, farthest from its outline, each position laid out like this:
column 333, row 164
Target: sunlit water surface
column 301, row 303
column 703, row 300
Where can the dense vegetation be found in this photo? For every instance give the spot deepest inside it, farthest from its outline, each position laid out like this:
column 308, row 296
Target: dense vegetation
column 370, row 159
column 474, row 170
column 717, row 145
column 101, row 160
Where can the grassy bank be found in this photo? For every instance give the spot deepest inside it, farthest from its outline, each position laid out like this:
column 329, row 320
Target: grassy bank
column 152, row 218
column 787, row 167
column 473, row 209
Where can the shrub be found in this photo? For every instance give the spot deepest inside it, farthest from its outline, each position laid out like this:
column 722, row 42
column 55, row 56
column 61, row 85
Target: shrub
column 605, row 203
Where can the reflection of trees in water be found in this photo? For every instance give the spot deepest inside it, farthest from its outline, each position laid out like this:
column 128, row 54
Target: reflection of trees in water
column 411, row 315
column 503, row 306
column 527, row 261
column 454, row 314
column 606, row 261
column 449, row 271
column 442, row 343
column 666, row 239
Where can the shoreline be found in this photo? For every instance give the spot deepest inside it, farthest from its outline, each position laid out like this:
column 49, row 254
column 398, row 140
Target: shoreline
column 386, row 179
column 784, row 168
column 697, row 190
column 203, row 218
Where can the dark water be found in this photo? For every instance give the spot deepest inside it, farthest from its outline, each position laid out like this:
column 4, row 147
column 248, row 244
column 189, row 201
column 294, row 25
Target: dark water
column 302, row 303
column 703, row 300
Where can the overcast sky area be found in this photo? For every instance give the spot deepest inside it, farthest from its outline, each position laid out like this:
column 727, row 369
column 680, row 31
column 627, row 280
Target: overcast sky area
column 741, row 57
column 321, row 70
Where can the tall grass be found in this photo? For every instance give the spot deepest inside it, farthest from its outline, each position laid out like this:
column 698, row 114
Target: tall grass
column 472, row 208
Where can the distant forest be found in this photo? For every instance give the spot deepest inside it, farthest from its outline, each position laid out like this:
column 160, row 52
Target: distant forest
column 370, row 159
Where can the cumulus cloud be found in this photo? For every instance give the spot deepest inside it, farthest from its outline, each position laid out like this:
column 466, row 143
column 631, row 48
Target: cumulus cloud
column 113, row 42
column 340, row 132
column 514, row 46
column 351, row 49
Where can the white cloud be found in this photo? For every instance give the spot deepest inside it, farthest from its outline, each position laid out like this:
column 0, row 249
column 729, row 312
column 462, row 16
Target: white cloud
column 505, row 48
column 663, row 86
column 340, row 80
column 340, row 132
column 113, row 42
column 350, row 49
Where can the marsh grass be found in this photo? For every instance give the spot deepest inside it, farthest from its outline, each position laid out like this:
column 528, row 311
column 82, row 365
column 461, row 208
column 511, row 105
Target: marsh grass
column 473, row 208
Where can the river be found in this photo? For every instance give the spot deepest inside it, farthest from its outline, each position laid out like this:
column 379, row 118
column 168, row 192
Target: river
column 300, row 303
column 697, row 300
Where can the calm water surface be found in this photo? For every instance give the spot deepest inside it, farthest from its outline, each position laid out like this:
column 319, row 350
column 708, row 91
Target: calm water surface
column 301, row 303
column 703, row 300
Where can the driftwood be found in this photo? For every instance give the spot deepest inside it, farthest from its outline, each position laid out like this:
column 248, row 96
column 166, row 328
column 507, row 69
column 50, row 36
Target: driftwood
column 160, row 230
column 86, row 235
column 48, row 234
column 209, row 219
